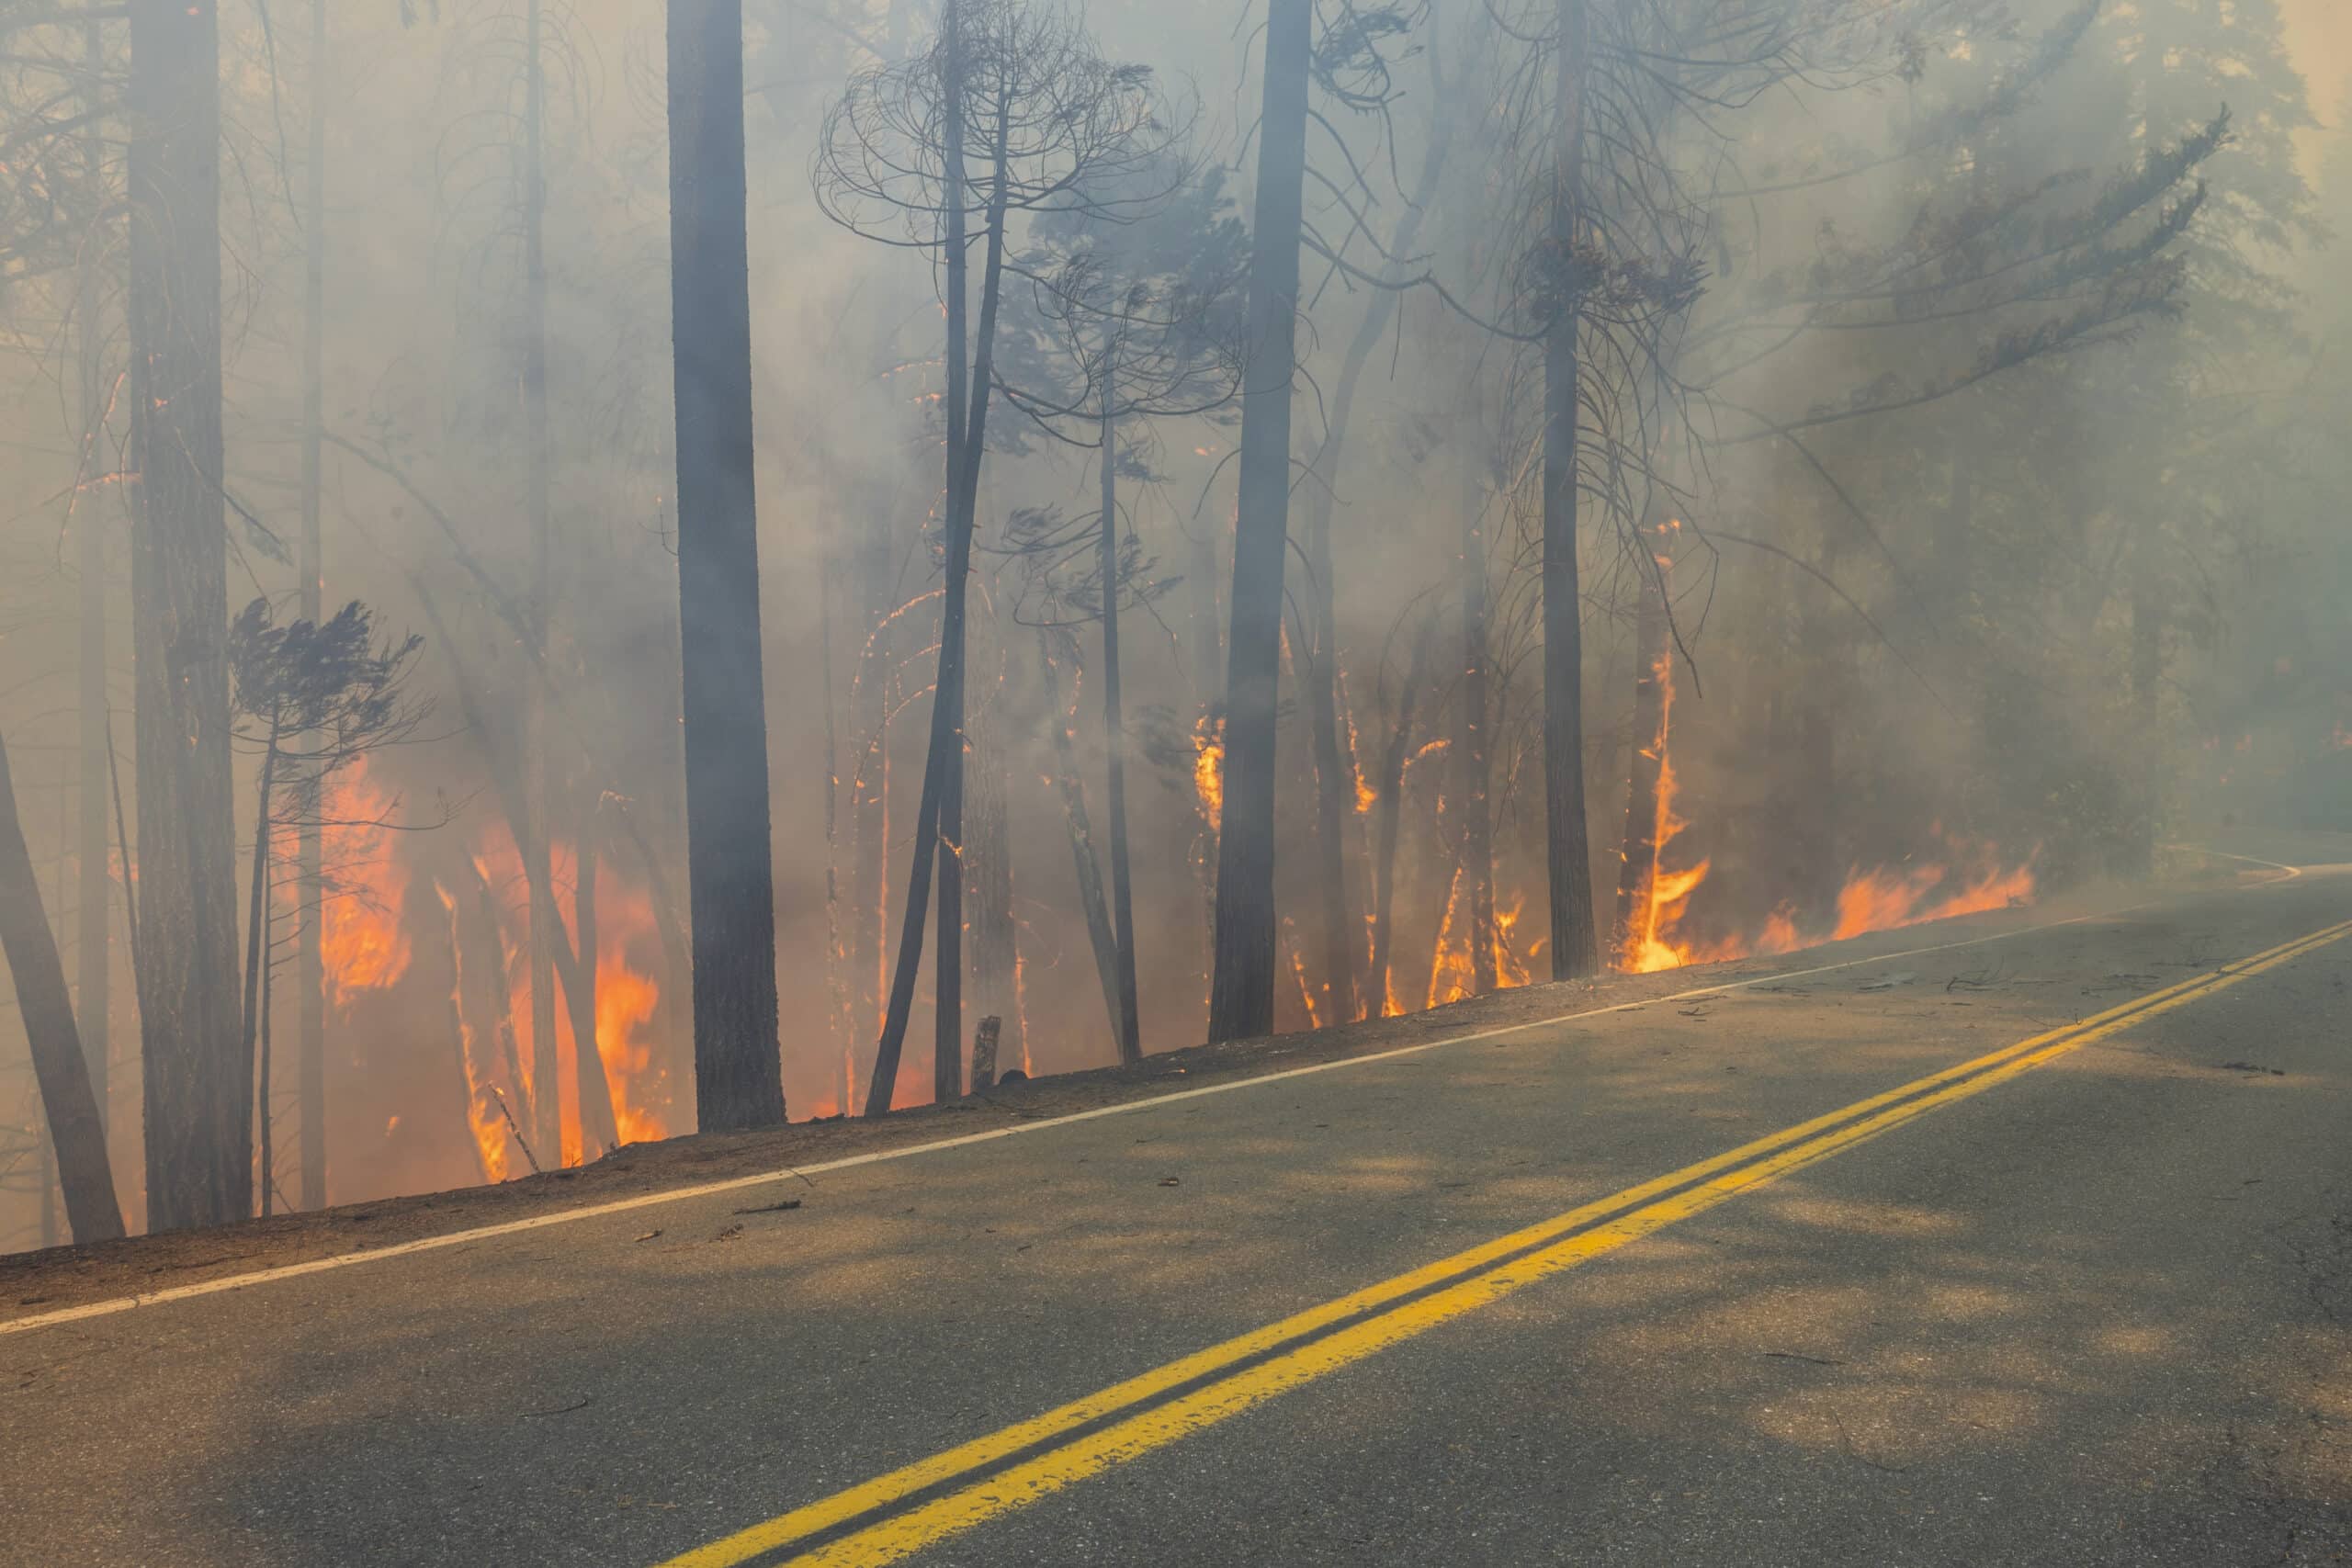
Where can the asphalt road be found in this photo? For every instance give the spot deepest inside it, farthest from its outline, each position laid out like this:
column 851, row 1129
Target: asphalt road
column 2089, row 1303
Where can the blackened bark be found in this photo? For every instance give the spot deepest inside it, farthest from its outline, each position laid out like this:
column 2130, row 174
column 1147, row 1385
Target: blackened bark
column 1241, row 989
column 95, row 893
column 738, row 1074
column 257, row 956
column 957, row 555
column 1470, row 749
column 198, row 1118
column 59, row 1067
column 939, row 814
column 1568, row 851
column 1127, row 1019
column 310, row 970
column 955, row 658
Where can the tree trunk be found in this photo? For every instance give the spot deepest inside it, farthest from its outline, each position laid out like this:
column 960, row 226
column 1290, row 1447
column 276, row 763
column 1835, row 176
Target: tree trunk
column 59, row 1066
column 1568, row 853
column 1334, row 796
column 939, row 813
column 95, row 893
column 1470, row 749
column 310, row 970
column 1387, row 821
column 1127, row 1020
column 737, row 1071
column 257, row 953
column 954, row 660
column 199, row 1117
column 1637, row 860
column 957, row 555
column 1242, row 990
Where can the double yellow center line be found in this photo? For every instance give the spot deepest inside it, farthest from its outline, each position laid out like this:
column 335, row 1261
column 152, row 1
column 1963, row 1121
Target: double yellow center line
column 896, row 1514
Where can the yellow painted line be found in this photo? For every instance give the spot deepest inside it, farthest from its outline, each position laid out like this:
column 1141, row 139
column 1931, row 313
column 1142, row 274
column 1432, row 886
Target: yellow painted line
column 475, row 1235
column 1622, row 1217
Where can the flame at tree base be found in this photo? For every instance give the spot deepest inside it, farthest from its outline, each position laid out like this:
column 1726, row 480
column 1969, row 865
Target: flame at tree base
column 1968, row 879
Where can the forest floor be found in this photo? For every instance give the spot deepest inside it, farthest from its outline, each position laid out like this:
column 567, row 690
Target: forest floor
column 41, row 1281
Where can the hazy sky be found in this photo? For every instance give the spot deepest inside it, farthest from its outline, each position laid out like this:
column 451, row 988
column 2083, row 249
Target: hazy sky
column 2320, row 33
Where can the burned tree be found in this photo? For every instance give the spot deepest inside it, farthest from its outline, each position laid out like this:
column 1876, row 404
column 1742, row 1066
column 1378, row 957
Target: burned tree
column 1125, row 325
column 737, row 1077
column 198, row 1119
column 1023, row 92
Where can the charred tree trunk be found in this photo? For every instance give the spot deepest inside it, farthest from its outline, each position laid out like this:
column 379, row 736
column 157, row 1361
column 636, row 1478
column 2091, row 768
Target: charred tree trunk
column 1127, row 1017
column 737, row 1073
column 59, row 1067
column 199, row 1112
column 954, row 660
column 94, row 894
column 1241, row 991
column 1470, row 751
column 257, row 955
column 1389, row 820
column 1335, row 784
column 939, row 813
column 310, row 970
column 1092, row 901
column 1637, row 860
column 957, row 555
column 1567, row 850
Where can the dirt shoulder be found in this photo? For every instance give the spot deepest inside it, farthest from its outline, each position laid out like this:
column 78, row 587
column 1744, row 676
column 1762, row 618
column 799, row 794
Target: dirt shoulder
column 35, row 1283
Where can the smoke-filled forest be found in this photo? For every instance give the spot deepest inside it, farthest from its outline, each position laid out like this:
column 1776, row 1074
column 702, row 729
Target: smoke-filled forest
column 574, row 571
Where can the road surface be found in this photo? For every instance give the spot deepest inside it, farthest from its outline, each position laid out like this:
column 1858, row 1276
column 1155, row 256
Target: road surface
column 2031, row 1242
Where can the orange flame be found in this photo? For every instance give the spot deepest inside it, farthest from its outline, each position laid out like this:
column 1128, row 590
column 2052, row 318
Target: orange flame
column 483, row 1117
column 1208, row 767
column 627, row 995
column 362, row 943
column 1878, row 900
column 1451, row 966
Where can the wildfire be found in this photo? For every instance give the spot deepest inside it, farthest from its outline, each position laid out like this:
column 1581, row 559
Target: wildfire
column 1510, row 968
column 363, row 942
column 1452, row 965
column 483, row 1117
column 627, row 995
column 1881, row 899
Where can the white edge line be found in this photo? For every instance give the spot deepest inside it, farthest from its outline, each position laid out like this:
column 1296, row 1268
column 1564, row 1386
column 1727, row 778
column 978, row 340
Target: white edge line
column 113, row 1304
column 2287, row 873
